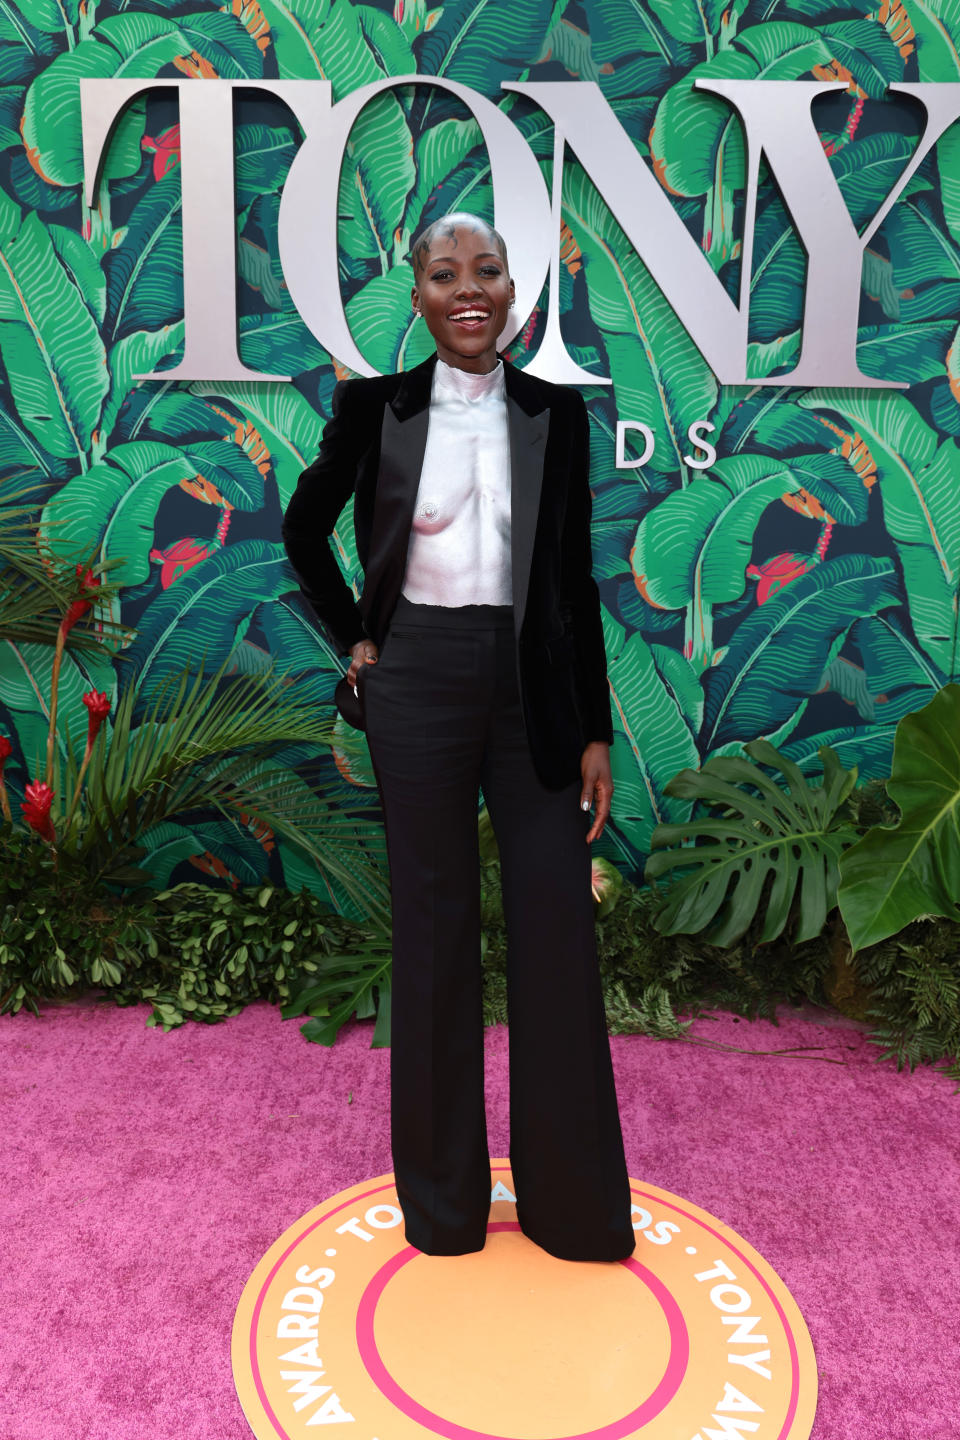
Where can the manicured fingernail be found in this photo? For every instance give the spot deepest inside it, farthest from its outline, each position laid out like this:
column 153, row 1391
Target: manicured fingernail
column 584, row 804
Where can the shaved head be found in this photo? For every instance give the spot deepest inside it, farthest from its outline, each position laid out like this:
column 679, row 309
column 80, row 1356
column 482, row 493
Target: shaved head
column 446, row 229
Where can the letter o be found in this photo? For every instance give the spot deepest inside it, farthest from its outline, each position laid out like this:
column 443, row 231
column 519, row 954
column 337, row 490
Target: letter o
column 394, row 1217
column 742, row 1302
column 308, row 209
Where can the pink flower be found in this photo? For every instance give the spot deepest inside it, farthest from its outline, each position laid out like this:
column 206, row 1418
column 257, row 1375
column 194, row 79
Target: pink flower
column 98, row 707
column 6, row 750
column 36, row 808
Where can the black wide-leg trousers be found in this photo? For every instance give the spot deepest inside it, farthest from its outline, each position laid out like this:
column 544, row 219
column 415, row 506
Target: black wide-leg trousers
column 443, row 718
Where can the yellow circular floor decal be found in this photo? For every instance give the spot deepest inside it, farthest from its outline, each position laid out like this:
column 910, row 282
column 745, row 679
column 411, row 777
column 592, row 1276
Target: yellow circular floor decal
column 344, row 1325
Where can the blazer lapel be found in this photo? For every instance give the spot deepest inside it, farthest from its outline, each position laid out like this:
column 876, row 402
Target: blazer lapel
column 403, row 442
column 528, row 441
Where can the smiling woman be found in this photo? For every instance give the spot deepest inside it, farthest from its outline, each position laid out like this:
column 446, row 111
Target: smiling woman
column 463, row 289
column 478, row 664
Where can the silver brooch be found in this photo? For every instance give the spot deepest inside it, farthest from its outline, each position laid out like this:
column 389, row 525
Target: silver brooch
column 429, row 510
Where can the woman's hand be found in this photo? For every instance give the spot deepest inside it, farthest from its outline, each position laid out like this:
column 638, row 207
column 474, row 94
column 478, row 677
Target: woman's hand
column 597, row 787
column 363, row 653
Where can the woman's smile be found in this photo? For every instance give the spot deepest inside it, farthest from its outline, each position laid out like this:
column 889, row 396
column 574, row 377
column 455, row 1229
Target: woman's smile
column 464, row 293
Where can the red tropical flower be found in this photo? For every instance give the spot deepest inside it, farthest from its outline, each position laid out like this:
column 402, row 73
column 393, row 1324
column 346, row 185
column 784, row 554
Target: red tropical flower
column 777, row 573
column 6, row 750
column 98, row 708
column 178, row 558
column 165, row 149
column 36, row 808
column 88, row 583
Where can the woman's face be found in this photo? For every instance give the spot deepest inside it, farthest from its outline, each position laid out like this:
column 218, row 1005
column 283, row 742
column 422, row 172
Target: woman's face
column 464, row 294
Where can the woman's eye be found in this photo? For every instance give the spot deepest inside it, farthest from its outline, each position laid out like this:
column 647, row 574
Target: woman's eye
column 440, row 275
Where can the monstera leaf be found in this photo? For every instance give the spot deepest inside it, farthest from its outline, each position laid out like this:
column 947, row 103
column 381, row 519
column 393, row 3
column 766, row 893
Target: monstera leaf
column 759, row 830
column 357, row 984
column 777, row 656
column 50, row 344
column 892, row 876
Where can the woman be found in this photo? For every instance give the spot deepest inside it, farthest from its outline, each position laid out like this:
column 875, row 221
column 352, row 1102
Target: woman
column 477, row 654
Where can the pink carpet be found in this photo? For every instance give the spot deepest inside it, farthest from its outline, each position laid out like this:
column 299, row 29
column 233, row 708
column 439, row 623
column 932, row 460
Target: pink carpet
column 145, row 1174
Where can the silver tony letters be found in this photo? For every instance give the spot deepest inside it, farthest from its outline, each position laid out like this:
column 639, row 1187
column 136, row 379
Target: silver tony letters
column 777, row 124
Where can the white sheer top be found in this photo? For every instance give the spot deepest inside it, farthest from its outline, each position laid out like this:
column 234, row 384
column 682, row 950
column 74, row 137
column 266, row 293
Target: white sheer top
column 459, row 551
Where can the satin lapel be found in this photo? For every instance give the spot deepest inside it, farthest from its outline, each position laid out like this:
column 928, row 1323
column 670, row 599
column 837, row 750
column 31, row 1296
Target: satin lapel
column 402, row 447
column 528, row 440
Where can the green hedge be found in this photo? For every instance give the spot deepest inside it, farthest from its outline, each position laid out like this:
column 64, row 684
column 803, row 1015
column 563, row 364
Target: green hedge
column 198, row 953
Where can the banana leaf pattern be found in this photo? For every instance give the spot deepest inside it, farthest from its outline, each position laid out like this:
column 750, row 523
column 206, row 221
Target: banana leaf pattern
column 803, row 588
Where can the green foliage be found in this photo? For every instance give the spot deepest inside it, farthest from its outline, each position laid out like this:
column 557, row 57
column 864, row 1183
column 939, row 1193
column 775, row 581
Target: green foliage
column 893, row 875
column 765, row 847
column 192, row 953
column 914, row 987
column 705, row 654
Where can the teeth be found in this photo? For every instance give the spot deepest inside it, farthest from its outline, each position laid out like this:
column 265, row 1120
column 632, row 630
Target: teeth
column 469, row 315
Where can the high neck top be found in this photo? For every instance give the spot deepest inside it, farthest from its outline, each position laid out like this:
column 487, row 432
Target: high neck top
column 465, row 385
column 459, row 548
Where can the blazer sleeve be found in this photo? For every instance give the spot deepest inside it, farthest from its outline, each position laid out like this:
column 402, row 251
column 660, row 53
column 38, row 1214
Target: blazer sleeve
column 579, row 594
column 322, row 491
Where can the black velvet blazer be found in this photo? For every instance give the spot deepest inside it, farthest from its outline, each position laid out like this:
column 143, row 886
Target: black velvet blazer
column 373, row 448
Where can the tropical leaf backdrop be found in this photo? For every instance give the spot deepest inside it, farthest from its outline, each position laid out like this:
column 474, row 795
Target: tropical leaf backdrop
column 804, row 588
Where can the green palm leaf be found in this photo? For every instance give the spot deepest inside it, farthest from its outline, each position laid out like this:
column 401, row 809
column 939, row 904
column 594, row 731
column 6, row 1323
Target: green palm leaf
column 918, row 485
column 658, row 373
column 145, row 270
column 288, row 424
column 206, row 744
column 382, row 322
column 696, row 544
column 652, row 738
column 900, row 676
column 50, row 344
column 480, row 43
column 123, row 45
column 777, row 656
column 199, row 620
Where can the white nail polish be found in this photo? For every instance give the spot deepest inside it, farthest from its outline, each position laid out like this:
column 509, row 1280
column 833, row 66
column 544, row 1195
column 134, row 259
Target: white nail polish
column 584, row 804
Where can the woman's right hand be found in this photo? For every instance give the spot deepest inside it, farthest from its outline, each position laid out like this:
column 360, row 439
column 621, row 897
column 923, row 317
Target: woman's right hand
column 364, row 652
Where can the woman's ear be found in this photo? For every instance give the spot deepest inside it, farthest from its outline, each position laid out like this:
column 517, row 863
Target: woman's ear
column 415, row 300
